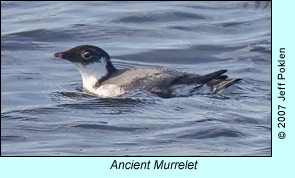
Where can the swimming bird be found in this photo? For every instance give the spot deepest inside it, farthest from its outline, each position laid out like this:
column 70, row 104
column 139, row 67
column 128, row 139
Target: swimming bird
column 100, row 77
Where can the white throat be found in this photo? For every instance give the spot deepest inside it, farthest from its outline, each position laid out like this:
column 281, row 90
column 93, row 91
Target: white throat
column 92, row 73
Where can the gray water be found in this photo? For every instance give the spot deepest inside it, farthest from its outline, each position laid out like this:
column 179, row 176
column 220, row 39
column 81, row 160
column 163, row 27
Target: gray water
column 45, row 112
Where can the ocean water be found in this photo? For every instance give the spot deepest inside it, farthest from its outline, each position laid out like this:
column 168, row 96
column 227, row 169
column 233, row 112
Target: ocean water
column 45, row 112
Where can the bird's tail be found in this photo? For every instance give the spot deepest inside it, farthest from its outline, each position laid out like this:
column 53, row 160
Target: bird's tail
column 219, row 84
column 215, row 80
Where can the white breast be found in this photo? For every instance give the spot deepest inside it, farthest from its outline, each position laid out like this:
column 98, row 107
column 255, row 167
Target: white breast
column 109, row 90
column 91, row 74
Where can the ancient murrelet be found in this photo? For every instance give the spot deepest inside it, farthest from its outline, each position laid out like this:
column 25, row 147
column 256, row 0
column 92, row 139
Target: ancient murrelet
column 100, row 77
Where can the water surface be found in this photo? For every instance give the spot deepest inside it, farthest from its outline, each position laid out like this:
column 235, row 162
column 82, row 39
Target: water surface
column 45, row 112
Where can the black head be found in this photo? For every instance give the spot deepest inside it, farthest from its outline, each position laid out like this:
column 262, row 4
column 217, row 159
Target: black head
column 87, row 54
column 84, row 54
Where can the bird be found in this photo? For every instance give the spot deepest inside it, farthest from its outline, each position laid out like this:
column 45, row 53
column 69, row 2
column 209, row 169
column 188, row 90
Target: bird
column 102, row 78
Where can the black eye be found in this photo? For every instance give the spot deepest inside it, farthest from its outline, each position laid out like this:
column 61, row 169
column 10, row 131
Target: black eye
column 86, row 54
